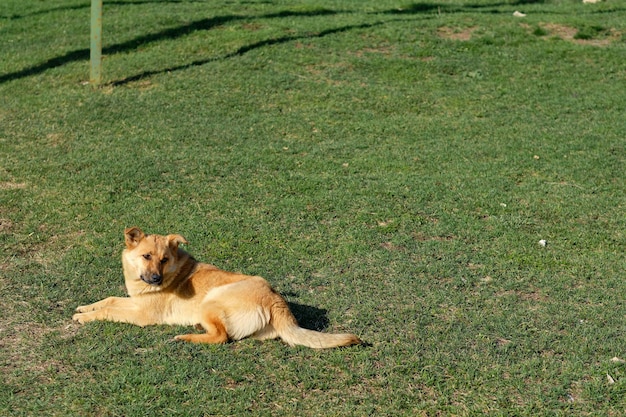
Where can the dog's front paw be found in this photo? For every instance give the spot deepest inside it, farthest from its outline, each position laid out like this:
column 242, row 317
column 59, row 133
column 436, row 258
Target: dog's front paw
column 81, row 318
column 85, row 309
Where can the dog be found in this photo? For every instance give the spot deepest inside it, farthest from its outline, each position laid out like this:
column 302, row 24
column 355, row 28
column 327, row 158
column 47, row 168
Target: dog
column 166, row 285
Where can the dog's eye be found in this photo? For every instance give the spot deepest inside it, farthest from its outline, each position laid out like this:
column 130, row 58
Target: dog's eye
column 164, row 260
column 147, row 257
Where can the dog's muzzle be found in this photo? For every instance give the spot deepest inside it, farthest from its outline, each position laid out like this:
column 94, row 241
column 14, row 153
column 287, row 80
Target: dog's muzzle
column 152, row 279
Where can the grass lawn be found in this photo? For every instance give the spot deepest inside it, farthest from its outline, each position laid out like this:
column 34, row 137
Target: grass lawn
column 390, row 167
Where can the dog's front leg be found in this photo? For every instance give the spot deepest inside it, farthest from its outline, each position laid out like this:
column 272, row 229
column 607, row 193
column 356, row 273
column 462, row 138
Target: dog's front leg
column 118, row 309
column 109, row 301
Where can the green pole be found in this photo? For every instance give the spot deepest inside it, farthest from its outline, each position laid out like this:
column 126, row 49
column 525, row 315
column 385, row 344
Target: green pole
column 95, row 73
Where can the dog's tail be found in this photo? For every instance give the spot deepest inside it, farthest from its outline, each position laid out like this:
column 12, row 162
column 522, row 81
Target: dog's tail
column 287, row 328
column 298, row 336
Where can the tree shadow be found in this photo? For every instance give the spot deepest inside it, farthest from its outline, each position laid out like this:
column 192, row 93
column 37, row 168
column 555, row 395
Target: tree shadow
column 206, row 24
column 77, row 55
column 311, row 318
column 240, row 51
column 88, row 5
column 425, row 7
column 172, row 33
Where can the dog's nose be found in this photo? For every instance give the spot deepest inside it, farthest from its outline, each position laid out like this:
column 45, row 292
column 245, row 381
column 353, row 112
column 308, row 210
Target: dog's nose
column 156, row 279
column 152, row 279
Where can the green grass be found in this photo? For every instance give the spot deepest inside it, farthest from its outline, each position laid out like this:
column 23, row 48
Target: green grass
column 388, row 166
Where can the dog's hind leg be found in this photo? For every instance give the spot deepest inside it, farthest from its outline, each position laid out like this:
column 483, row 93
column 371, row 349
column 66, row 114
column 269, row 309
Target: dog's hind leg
column 215, row 332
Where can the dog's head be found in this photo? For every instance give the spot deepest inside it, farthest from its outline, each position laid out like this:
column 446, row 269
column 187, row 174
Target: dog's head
column 152, row 259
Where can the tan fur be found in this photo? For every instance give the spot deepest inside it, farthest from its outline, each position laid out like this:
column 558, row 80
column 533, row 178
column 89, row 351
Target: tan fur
column 167, row 286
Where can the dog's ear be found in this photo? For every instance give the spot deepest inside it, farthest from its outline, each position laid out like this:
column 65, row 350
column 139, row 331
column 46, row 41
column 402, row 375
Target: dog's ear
column 174, row 240
column 132, row 236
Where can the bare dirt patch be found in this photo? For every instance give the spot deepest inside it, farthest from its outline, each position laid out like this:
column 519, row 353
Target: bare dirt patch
column 564, row 32
column 252, row 26
column 52, row 251
column 391, row 246
column 523, row 295
column 23, row 338
column 421, row 237
column 383, row 50
column 5, row 224
column 21, row 344
column 569, row 34
column 456, row 34
column 9, row 185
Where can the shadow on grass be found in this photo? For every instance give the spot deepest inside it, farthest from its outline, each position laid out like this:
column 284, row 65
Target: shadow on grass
column 88, row 5
column 172, row 33
column 241, row 51
column 424, row 7
column 209, row 23
column 439, row 8
column 311, row 318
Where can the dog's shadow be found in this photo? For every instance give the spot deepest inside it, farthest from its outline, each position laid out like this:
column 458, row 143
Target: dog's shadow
column 311, row 318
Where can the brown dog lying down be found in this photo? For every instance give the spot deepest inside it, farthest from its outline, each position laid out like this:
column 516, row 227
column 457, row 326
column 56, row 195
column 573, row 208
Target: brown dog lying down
column 167, row 286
